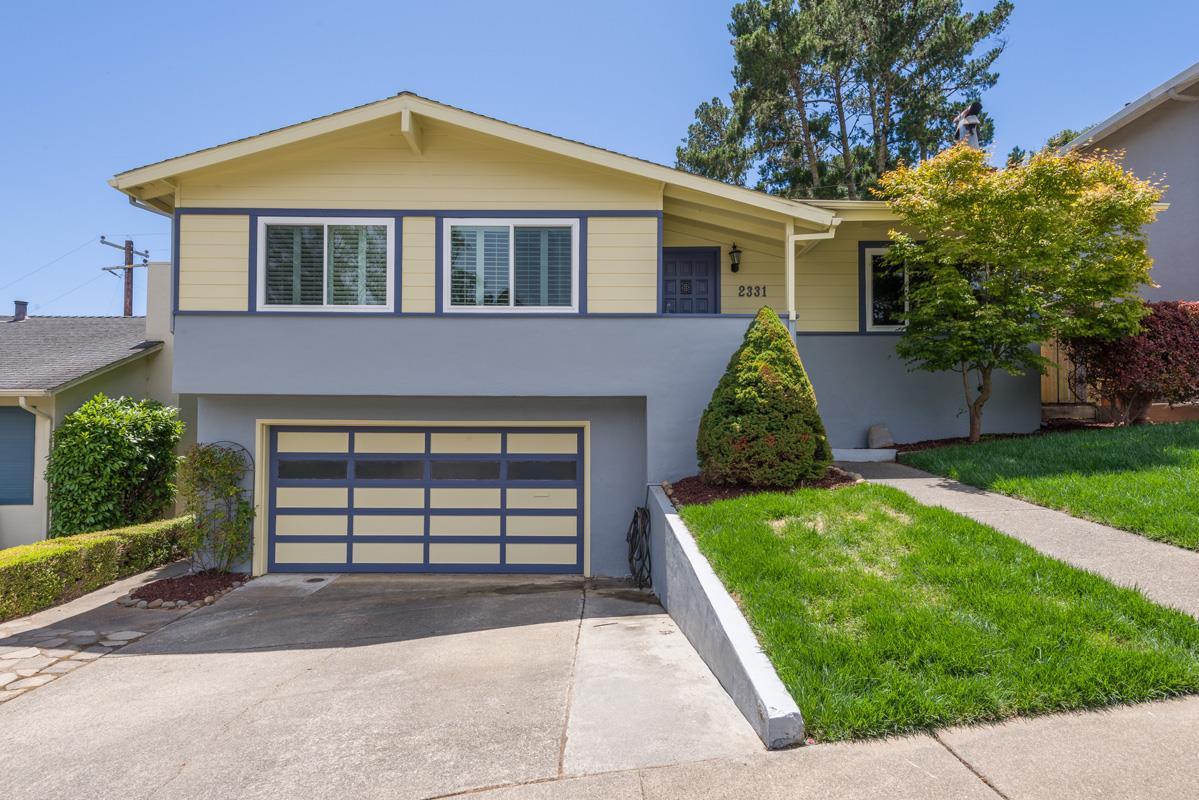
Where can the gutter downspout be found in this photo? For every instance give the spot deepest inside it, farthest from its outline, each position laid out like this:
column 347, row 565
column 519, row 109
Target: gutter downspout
column 792, row 238
column 133, row 201
column 23, row 402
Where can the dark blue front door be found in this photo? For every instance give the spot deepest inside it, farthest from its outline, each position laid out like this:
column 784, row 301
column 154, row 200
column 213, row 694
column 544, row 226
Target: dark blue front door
column 691, row 280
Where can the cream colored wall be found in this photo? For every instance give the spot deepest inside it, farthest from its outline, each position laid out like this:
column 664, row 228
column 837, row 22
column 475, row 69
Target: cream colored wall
column 418, row 268
column 826, row 276
column 27, row 523
column 214, row 262
column 371, row 166
column 622, row 265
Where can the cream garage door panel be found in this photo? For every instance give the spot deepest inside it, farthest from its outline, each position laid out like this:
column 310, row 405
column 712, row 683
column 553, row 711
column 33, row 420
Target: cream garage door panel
column 399, row 498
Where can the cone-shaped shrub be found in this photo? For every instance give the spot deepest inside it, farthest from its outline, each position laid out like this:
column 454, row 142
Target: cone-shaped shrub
column 761, row 427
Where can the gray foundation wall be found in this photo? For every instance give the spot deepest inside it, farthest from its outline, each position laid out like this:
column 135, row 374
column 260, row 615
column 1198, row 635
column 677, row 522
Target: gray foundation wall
column 617, row 441
column 671, row 362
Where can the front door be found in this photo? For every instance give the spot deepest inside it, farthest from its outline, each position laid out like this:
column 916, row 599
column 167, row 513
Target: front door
column 691, row 280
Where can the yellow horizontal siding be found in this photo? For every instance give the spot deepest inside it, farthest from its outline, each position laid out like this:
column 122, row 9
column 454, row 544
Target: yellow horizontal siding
column 370, row 166
column 418, row 265
column 214, row 262
column 622, row 265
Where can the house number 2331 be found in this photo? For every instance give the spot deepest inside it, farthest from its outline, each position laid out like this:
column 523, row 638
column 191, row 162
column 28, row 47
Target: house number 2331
column 751, row 291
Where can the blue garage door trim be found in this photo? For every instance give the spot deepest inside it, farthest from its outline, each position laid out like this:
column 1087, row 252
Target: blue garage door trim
column 426, row 482
column 18, row 435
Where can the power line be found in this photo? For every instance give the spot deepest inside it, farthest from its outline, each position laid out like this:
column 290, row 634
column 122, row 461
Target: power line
column 48, row 264
column 40, row 306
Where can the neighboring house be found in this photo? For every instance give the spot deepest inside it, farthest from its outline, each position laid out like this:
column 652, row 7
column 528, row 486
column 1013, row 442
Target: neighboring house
column 1159, row 135
column 456, row 344
column 49, row 366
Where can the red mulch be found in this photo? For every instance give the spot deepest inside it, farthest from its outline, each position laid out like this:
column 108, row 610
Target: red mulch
column 694, row 491
column 188, row 587
column 1049, row 427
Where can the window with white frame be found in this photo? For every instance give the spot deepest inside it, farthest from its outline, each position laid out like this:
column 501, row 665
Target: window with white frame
column 886, row 291
column 326, row 264
column 518, row 265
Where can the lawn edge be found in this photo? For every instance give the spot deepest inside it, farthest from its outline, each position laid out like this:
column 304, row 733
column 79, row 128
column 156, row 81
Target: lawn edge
column 696, row 598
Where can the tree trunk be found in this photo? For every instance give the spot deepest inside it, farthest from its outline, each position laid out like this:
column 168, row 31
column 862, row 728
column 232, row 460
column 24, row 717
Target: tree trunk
column 880, row 151
column 851, row 183
column 801, row 104
column 975, row 404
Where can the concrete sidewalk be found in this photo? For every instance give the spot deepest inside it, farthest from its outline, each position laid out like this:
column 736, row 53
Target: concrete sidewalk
column 1168, row 575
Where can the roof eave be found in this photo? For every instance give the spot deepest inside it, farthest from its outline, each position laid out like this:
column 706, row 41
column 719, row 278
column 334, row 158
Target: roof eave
column 1136, row 109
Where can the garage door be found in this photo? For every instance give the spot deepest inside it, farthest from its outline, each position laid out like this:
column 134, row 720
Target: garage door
column 426, row 499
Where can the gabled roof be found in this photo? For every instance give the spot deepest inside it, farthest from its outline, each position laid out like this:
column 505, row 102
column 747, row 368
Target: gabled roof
column 1139, row 107
column 407, row 103
column 44, row 355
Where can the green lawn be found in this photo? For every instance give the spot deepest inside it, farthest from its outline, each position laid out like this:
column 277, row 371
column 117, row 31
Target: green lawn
column 883, row 616
column 1143, row 479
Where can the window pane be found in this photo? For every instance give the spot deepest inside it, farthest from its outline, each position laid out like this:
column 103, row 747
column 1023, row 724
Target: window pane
column 887, row 292
column 312, row 468
column 394, row 469
column 465, row 470
column 479, row 265
column 542, row 471
column 542, row 266
column 294, row 261
column 357, row 265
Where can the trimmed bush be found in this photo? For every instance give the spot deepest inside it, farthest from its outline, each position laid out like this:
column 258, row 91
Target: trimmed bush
column 112, row 463
column 43, row 574
column 761, row 427
column 1161, row 363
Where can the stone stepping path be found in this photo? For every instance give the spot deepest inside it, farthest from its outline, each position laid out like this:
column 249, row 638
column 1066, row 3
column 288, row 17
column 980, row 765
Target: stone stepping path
column 34, row 658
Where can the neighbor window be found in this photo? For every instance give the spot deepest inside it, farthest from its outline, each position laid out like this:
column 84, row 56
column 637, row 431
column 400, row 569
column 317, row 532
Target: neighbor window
column 511, row 265
column 886, row 292
column 325, row 264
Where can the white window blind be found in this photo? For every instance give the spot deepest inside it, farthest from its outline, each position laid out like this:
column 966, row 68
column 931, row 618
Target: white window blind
column 333, row 264
column 499, row 265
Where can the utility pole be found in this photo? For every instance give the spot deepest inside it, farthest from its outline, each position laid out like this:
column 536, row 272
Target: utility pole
column 128, row 266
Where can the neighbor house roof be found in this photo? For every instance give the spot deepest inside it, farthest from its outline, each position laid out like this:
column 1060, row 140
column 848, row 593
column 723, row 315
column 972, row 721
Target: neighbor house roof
column 1167, row 91
column 152, row 179
column 43, row 355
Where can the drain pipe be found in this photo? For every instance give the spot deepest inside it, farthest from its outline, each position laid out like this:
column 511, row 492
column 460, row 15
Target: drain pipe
column 792, row 239
column 23, row 402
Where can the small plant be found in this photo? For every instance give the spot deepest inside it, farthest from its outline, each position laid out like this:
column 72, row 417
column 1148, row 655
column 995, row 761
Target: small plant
column 112, row 464
column 210, row 483
column 1161, row 363
column 761, row 427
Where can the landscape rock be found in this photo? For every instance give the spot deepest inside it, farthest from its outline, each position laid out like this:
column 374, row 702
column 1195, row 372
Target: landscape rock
column 47, row 643
column 89, row 655
column 36, row 663
column 209, row 600
column 10, row 652
column 124, row 636
column 879, row 437
column 111, row 644
column 62, row 667
column 155, row 603
column 61, row 652
column 5, row 694
column 142, row 604
column 7, row 678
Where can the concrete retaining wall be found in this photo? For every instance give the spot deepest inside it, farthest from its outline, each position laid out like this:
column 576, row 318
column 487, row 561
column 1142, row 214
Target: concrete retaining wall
column 703, row 609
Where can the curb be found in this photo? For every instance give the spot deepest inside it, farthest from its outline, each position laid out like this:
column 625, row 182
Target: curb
column 696, row 599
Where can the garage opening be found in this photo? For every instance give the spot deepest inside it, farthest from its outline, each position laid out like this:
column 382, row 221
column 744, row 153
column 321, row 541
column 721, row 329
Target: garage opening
column 425, row 499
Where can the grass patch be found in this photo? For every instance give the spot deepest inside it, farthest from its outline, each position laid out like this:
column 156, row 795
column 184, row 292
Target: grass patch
column 884, row 616
column 1141, row 479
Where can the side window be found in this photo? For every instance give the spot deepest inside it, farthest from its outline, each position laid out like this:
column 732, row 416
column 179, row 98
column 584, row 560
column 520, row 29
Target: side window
column 886, row 292
column 333, row 265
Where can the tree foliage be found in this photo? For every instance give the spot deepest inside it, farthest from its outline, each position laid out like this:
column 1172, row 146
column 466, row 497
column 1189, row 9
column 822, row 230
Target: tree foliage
column 210, row 483
column 112, row 463
column 1161, row 363
column 761, row 427
column 1052, row 248
column 829, row 94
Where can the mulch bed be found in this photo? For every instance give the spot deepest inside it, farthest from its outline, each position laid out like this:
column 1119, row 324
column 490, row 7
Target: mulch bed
column 1049, row 427
column 695, row 491
column 188, row 587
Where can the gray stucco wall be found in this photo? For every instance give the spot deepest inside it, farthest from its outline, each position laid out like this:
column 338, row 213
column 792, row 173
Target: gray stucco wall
column 1163, row 143
column 671, row 362
column 617, row 441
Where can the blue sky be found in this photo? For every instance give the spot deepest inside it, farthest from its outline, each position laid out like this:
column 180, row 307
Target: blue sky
column 97, row 88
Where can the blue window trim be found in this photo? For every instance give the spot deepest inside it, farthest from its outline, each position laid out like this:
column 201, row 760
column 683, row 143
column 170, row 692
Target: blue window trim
column 18, row 445
column 719, row 268
column 863, row 246
column 397, row 215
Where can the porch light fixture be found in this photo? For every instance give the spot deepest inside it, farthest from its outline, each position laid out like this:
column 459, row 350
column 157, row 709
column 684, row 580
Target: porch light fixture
column 735, row 258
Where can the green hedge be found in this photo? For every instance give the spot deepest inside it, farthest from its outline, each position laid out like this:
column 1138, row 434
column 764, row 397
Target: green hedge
column 43, row 574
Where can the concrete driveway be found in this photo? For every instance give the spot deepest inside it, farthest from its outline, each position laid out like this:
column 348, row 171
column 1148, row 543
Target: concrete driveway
column 376, row 686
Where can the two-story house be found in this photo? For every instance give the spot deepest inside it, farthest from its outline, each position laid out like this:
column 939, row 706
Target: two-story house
column 456, row 344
